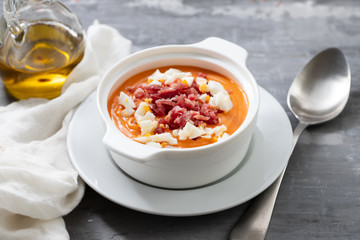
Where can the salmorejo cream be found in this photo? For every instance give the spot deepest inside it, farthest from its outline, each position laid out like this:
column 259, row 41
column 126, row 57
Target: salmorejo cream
column 178, row 106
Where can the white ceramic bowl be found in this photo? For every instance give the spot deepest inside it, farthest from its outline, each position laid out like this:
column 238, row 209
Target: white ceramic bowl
column 190, row 167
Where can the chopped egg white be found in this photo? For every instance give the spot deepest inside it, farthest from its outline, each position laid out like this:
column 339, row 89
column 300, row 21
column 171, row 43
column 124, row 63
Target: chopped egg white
column 127, row 112
column 147, row 126
column 188, row 80
column 219, row 130
column 206, row 136
column 126, row 101
column 172, row 71
column 222, row 137
column 162, row 137
column 145, row 119
column 220, row 97
column 201, row 82
column 155, row 82
column 212, row 102
column 172, row 74
column 223, row 101
column 153, row 144
column 156, row 76
column 190, row 131
column 175, row 132
column 209, row 131
column 215, row 87
column 148, row 116
column 204, row 97
column 142, row 109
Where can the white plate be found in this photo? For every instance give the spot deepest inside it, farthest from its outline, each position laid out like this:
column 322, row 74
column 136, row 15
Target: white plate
column 268, row 154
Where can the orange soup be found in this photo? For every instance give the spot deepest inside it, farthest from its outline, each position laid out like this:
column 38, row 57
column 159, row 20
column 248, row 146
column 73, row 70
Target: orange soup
column 178, row 106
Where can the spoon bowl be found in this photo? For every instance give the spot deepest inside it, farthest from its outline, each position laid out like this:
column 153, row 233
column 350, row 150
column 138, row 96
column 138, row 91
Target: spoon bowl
column 321, row 90
column 318, row 94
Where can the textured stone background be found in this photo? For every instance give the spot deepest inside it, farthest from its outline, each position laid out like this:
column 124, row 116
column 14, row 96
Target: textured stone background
column 320, row 194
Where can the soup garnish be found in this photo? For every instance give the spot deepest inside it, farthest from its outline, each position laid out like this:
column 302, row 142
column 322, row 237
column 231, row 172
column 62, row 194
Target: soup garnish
column 178, row 106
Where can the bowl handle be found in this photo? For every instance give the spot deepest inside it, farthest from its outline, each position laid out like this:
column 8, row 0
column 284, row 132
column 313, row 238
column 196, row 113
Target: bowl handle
column 129, row 148
column 229, row 49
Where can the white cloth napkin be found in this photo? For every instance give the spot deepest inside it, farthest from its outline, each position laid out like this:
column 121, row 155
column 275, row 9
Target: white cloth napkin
column 38, row 184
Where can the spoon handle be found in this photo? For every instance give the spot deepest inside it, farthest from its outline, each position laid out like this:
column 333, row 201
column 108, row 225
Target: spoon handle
column 254, row 223
column 297, row 132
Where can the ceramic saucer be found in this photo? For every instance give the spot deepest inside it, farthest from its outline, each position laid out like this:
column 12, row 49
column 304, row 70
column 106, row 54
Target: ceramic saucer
column 267, row 156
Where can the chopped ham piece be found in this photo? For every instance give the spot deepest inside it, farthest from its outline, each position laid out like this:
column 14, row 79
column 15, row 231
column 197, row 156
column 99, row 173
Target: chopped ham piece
column 151, row 88
column 140, row 93
column 159, row 130
column 168, row 92
column 201, row 117
column 193, row 91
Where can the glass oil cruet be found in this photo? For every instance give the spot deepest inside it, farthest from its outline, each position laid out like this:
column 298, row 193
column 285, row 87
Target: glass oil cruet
column 41, row 41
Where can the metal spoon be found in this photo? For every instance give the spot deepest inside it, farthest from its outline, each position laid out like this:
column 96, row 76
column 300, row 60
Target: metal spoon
column 318, row 94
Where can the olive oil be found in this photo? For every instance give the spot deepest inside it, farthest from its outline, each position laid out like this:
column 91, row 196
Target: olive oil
column 40, row 64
